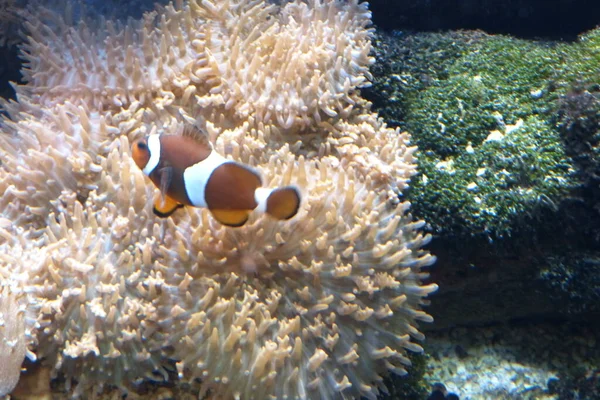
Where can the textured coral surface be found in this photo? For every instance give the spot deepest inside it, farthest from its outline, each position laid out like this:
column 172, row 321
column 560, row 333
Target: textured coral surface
column 12, row 340
column 320, row 306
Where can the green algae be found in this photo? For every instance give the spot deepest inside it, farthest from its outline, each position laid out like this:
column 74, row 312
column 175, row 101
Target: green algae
column 414, row 385
column 483, row 110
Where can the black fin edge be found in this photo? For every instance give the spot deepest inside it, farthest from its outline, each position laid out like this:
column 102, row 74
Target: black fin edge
column 234, row 225
column 168, row 213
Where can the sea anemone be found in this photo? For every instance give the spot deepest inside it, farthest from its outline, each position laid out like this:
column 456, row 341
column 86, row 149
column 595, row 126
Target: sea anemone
column 319, row 306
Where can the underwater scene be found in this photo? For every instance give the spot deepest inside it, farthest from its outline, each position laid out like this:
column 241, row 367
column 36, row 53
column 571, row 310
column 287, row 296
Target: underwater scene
column 299, row 199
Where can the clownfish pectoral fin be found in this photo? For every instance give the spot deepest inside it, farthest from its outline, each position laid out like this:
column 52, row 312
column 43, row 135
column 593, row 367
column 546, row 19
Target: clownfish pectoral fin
column 164, row 206
column 283, row 203
column 233, row 218
column 166, row 176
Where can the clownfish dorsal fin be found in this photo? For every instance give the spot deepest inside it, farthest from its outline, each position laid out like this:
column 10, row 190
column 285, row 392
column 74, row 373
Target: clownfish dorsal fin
column 233, row 218
column 164, row 206
column 197, row 135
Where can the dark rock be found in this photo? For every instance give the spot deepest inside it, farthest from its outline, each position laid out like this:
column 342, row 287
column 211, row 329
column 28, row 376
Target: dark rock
column 439, row 392
column 461, row 352
column 577, row 384
column 553, row 385
column 10, row 68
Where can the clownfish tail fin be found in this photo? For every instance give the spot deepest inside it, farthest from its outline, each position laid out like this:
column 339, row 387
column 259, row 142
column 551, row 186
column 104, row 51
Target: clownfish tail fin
column 281, row 203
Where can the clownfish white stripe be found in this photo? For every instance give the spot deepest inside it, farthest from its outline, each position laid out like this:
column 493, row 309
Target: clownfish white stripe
column 197, row 176
column 261, row 195
column 154, row 147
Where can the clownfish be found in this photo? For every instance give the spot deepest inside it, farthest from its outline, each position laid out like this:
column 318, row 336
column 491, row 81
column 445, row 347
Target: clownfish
column 189, row 172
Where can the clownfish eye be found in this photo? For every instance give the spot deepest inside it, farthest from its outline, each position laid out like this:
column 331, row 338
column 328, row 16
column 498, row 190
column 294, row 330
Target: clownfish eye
column 142, row 146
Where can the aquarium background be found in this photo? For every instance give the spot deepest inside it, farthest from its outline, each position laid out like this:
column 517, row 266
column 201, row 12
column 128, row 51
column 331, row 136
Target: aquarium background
column 502, row 99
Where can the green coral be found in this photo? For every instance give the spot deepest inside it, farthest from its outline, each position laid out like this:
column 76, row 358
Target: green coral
column 482, row 111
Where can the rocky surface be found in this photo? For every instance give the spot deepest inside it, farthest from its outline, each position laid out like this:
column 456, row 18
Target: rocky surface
column 517, row 361
column 507, row 195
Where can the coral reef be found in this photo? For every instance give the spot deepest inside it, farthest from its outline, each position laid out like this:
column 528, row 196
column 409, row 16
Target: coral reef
column 480, row 108
column 481, row 129
column 508, row 131
column 322, row 305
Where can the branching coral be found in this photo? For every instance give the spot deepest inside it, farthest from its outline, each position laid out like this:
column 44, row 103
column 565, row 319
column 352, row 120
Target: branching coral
column 320, row 306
